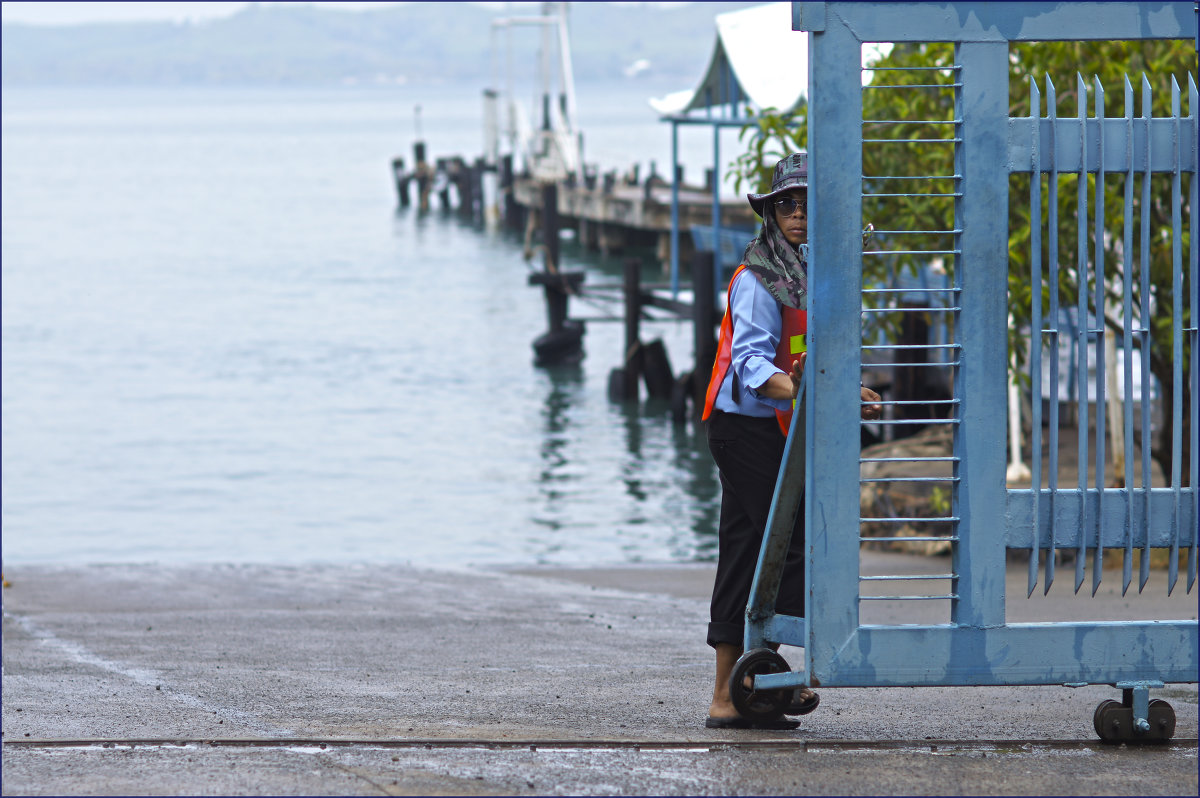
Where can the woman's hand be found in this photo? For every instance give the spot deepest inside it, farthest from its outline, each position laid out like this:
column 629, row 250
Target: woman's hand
column 797, row 373
column 784, row 386
column 870, row 410
column 787, row 386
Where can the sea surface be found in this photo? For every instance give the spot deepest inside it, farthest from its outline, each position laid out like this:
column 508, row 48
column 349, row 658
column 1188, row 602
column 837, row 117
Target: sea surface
column 224, row 342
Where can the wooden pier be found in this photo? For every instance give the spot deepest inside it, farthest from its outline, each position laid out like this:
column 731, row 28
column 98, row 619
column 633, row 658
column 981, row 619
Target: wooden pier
column 613, row 215
column 610, row 214
column 616, row 215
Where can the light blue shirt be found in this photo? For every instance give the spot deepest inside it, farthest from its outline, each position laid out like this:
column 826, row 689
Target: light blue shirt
column 757, row 326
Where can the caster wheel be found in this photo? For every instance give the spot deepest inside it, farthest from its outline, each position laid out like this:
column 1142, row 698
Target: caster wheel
column 1115, row 724
column 1102, row 721
column 1162, row 720
column 758, row 705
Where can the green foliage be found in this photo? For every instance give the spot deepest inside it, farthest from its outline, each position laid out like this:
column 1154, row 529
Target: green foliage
column 772, row 135
column 926, row 111
column 1108, row 63
column 939, row 501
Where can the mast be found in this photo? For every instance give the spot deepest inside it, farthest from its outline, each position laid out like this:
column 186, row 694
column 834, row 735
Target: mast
column 552, row 147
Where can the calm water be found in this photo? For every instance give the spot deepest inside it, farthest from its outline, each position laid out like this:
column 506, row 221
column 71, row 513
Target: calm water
column 222, row 342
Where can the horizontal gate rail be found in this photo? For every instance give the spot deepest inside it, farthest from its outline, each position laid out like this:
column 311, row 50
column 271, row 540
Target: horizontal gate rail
column 1127, row 144
column 910, row 538
column 1121, row 514
column 1096, row 652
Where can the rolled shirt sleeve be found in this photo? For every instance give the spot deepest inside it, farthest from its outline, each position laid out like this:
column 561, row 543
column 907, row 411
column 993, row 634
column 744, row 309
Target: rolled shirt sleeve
column 757, row 326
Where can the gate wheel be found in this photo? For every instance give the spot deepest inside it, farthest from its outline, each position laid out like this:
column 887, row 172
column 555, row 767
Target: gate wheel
column 757, row 705
column 1114, row 722
column 1099, row 716
column 1162, row 719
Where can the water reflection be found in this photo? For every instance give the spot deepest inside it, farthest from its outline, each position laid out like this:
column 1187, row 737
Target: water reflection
column 566, row 384
column 701, row 481
column 654, row 490
column 619, row 476
column 345, row 342
column 634, row 464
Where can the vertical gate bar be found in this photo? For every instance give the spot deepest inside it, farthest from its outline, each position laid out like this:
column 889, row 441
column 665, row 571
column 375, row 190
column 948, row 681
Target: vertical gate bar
column 1035, row 331
column 1194, row 291
column 835, row 344
column 1052, row 244
column 1082, row 329
column 1144, row 337
column 1127, row 338
column 1098, row 301
column 1176, row 342
column 980, row 273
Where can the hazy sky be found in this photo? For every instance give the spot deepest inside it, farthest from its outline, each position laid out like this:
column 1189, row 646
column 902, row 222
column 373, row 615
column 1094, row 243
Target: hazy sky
column 76, row 13
column 46, row 13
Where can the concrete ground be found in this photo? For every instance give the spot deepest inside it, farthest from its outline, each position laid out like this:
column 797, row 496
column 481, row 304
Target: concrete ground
column 349, row 680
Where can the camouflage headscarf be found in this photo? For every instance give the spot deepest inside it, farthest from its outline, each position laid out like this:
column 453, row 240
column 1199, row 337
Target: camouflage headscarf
column 778, row 265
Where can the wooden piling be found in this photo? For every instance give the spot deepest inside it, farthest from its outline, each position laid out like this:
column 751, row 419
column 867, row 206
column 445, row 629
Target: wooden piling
column 402, row 180
column 513, row 216
column 631, row 369
column 442, row 169
column 550, row 227
column 704, row 320
column 477, row 171
column 423, row 174
column 563, row 342
column 656, row 370
column 464, row 184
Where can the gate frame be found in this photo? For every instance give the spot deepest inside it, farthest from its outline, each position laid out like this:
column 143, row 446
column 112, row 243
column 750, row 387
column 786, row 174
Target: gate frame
column 977, row 648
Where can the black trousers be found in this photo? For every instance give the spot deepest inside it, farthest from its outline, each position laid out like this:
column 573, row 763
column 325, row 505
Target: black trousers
column 748, row 452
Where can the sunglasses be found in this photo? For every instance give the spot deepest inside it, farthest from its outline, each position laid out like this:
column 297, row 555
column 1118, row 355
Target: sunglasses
column 787, row 206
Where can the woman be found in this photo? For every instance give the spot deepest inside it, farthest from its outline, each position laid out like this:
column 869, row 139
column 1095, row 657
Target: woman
column 760, row 359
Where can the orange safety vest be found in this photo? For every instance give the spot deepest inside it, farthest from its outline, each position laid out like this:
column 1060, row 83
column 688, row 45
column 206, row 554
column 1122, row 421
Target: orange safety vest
column 792, row 341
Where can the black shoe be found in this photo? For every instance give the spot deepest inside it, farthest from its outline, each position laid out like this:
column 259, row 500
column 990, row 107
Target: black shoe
column 738, row 722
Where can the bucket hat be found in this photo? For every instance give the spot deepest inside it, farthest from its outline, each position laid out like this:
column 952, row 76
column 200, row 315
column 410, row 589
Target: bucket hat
column 791, row 172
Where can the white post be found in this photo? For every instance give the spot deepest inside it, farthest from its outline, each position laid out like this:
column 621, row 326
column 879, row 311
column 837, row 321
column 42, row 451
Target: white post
column 1116, row 410
column 1017, row 471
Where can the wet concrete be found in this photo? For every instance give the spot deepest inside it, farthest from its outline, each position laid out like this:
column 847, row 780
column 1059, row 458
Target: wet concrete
column 128, row 680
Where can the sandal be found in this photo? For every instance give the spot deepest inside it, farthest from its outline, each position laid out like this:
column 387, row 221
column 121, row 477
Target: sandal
column 803, row 706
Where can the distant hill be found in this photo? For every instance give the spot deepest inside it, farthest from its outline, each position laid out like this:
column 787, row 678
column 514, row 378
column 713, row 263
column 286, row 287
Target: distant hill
column 411, row 43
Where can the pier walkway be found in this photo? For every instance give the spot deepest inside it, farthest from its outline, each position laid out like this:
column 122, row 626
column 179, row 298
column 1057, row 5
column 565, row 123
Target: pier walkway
column 613, row 216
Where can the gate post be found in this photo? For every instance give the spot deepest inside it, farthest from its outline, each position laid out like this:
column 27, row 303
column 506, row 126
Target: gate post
column 981, row 275
column 835, row 337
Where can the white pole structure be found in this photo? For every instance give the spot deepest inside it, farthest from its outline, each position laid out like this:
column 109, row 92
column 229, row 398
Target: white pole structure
column 1116, row 413
column 1017, row 472
column 552, row 147
column 573, row 151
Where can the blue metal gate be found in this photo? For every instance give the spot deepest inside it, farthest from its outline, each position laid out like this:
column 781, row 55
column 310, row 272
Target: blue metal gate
column 983, row 519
